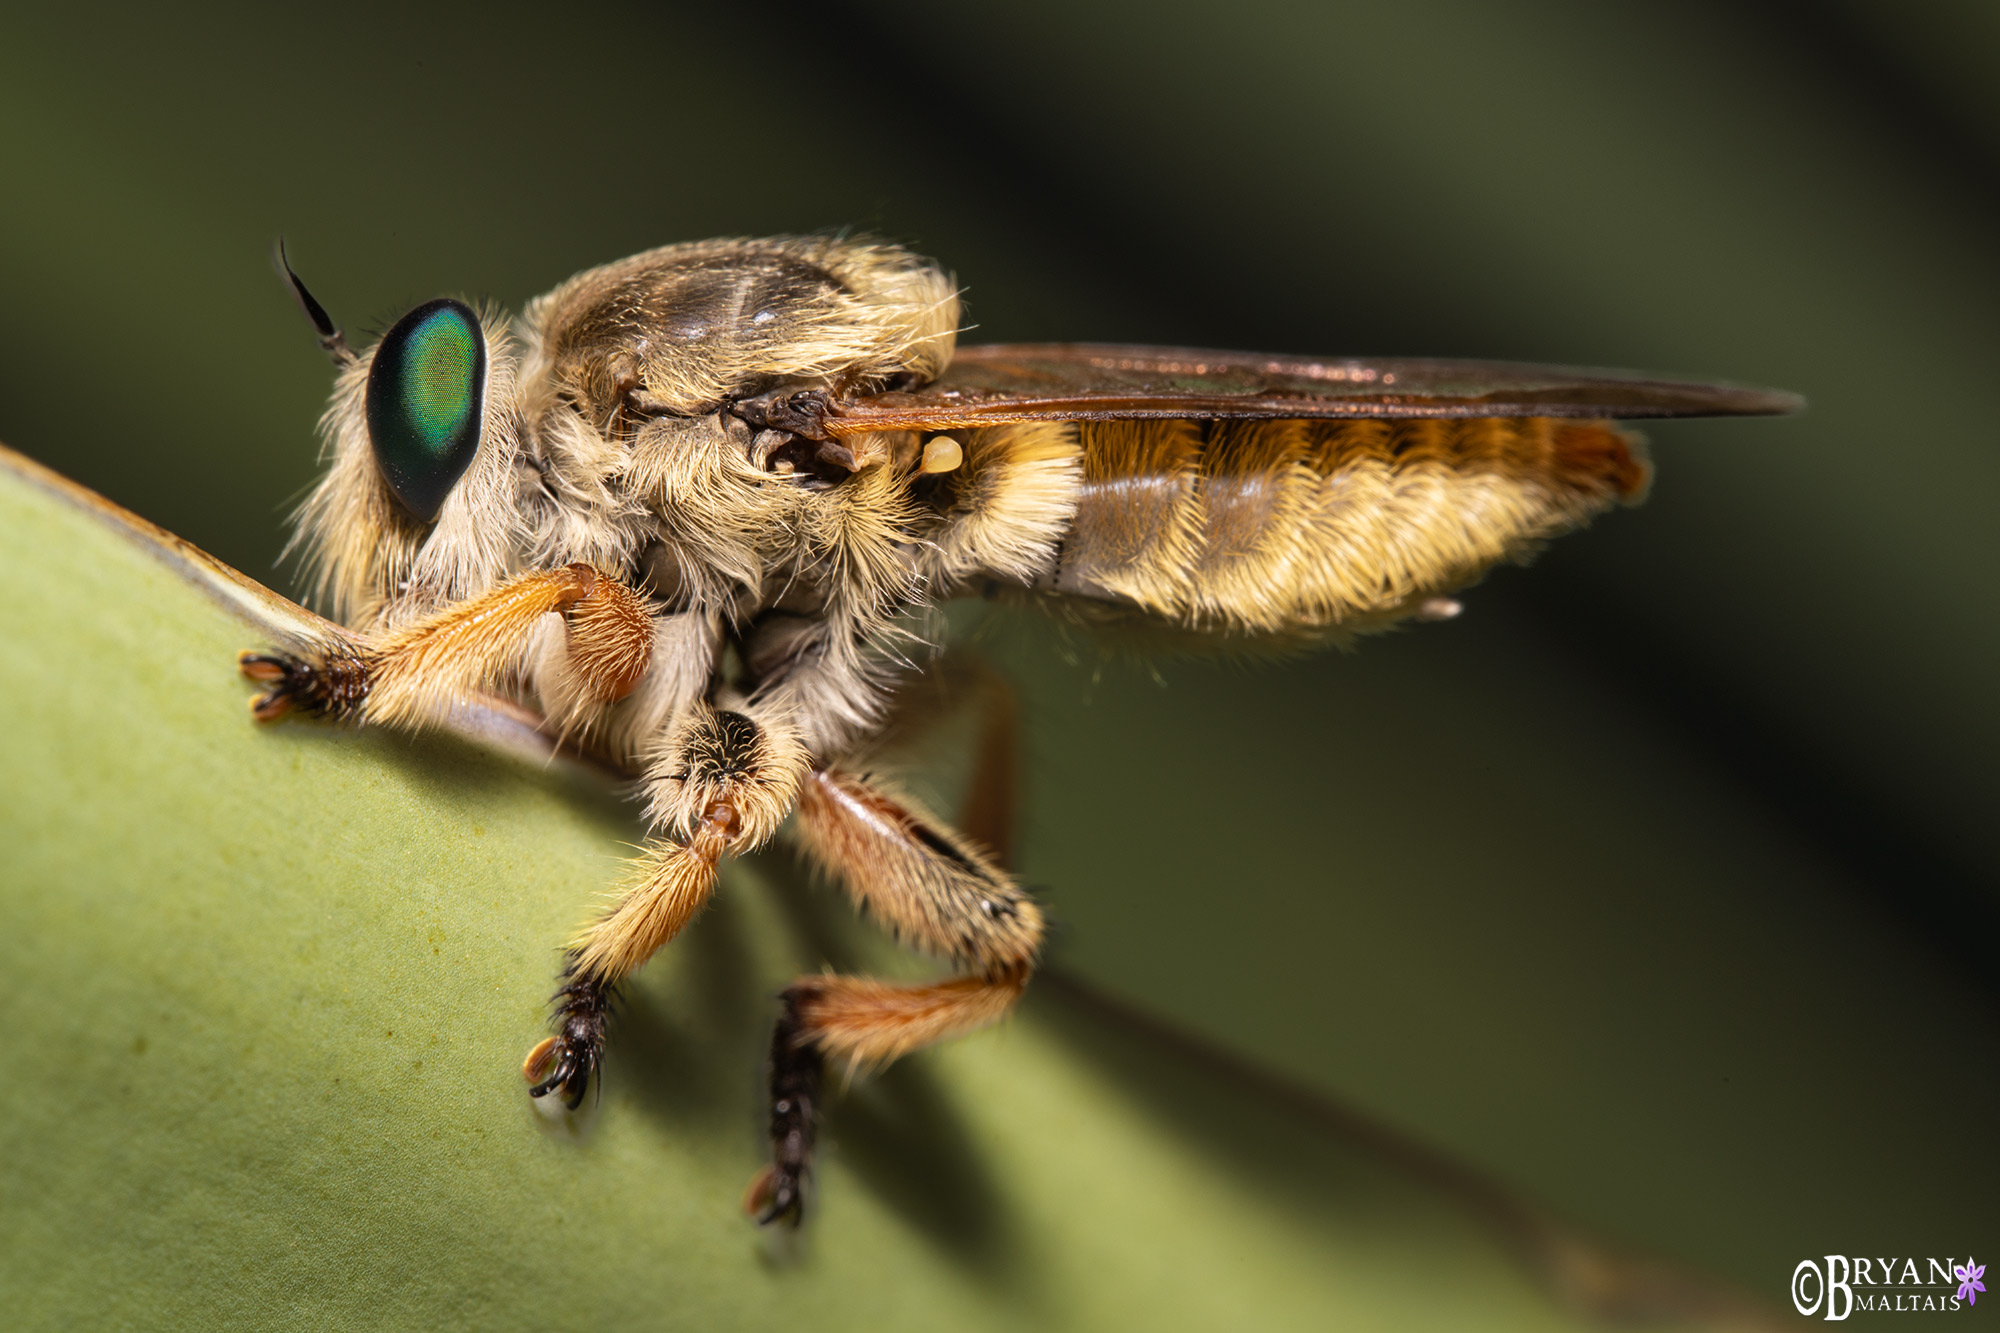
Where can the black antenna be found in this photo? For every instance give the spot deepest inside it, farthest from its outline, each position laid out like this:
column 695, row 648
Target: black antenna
column 331, row 340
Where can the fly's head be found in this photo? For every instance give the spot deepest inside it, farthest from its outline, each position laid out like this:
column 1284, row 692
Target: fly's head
column 422, row 438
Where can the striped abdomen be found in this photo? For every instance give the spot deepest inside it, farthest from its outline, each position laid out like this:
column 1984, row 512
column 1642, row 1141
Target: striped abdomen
column 1289, row 526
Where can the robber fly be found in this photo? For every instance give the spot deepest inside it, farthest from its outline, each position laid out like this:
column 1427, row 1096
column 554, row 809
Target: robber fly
column 692, row 504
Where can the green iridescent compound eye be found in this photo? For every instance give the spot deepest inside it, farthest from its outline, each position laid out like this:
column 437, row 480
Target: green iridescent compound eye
column 426, row 392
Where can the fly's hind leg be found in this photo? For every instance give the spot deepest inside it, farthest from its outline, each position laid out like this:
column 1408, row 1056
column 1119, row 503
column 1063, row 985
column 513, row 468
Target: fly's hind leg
column 937, row 892
column 413, row 674
column 723, row 783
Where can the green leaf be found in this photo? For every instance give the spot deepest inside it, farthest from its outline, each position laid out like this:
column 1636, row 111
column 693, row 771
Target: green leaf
column 269, row 990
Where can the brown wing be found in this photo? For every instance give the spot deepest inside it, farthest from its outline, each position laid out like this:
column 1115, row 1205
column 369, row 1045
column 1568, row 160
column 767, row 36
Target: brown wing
column 1016, row 382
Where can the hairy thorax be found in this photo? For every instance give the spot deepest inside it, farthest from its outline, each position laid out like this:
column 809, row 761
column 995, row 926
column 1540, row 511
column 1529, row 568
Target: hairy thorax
column 643, row 455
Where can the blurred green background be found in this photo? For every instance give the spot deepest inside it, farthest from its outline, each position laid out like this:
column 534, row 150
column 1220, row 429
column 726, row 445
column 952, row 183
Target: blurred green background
column 1661, row 886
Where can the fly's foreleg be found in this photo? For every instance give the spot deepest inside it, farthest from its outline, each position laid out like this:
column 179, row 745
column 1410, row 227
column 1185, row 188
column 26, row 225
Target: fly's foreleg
column 415, row 674
column 723, row 784
column 937, row 892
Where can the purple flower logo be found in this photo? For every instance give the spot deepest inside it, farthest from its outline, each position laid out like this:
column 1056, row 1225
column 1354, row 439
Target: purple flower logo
column 1969, row 1285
